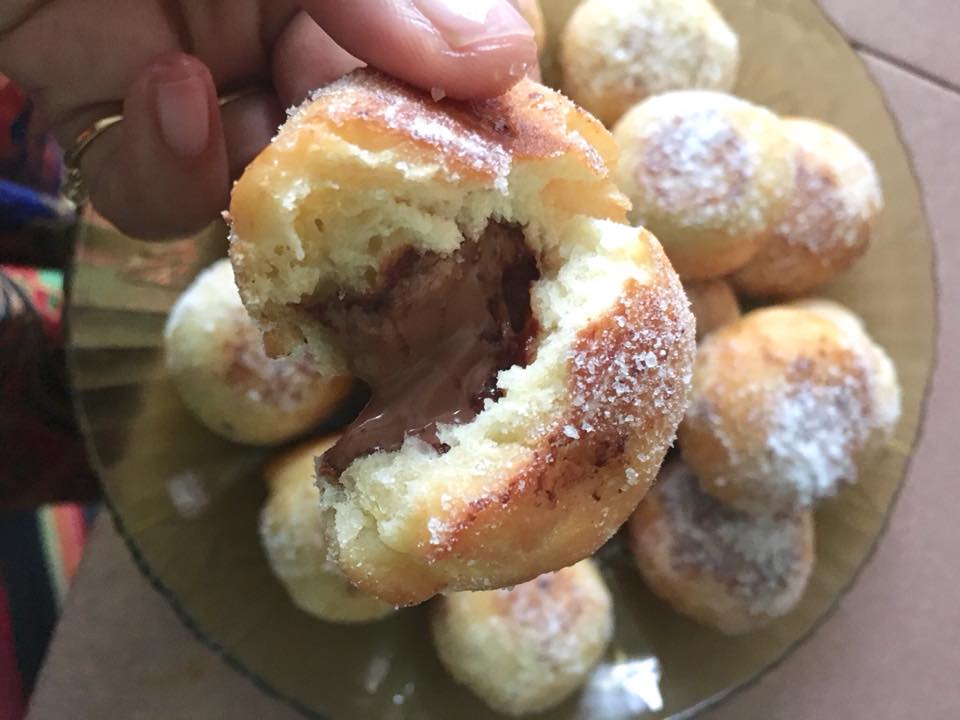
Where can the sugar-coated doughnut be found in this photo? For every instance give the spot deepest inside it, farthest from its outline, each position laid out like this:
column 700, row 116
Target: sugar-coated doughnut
column 725, row 568
column 829, row 220
column 526, row 649
column 786, row 402
column 713, row 303
column 528, row 351
column 708, row 174
column 616, row 53
column 216, row 359
column 294, row 539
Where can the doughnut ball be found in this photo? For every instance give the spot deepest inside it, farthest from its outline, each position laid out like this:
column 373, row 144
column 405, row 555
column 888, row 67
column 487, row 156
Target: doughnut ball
column 785, row 405
column 528, row 352
column 526, row 649
column 616, row 53
column 216, row 359
column 727, row 569
column 713, row 303
column 830, row 218
column 293, row 535
column 708, row 174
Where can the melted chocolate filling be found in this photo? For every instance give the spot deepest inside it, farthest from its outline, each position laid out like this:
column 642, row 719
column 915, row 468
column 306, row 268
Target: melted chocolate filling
column 430, row 341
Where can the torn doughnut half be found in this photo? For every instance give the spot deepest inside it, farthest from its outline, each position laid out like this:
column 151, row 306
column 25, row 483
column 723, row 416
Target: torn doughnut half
column 528, row 353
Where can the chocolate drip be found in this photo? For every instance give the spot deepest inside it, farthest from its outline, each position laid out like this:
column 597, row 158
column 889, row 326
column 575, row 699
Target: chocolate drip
column 430, row 341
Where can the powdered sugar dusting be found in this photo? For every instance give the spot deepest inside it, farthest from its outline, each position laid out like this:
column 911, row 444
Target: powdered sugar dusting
column 814, row 428
column 698, row 164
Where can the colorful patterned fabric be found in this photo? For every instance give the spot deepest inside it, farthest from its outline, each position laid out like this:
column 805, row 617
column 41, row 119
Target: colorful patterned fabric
column 39, row 553
column 27, row 156
column 42, row 458
column 36, row 223
column 41, row 454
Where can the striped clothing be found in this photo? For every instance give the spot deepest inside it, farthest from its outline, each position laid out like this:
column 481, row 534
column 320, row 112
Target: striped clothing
column 39, row 553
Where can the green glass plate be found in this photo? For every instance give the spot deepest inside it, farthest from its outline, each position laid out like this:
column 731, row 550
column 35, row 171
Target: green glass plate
column 187, row 501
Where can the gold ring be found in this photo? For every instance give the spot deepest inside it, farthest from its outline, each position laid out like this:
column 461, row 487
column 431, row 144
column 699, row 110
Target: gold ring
column 73, row 188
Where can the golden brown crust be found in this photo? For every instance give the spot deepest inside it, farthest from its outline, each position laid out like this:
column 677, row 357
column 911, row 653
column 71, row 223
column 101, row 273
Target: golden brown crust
column 215, row 356
column 293, row 537
column 476, row 138
column 571, row 494
column 616, row 53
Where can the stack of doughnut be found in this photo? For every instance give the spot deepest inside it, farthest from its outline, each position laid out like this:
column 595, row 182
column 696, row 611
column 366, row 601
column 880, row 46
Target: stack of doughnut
column 516, row 287
column 788, row 402
column 779, row 206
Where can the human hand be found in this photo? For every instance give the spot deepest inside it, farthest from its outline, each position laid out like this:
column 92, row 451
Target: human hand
column 166, row 169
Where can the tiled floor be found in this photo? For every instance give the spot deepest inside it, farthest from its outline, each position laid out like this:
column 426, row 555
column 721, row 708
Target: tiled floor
column 919, row 34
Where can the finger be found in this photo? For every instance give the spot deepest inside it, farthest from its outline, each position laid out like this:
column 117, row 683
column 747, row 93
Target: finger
column 467, row 50
column 305, row 58
column 163, row 171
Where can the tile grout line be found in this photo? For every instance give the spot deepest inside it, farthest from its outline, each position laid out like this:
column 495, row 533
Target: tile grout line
column 907, row 67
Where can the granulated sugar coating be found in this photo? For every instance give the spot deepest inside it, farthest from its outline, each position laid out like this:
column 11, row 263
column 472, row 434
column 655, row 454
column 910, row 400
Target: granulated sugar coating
column 724, row 567
column 480, row 136
column 616, row 53
column 430, row 125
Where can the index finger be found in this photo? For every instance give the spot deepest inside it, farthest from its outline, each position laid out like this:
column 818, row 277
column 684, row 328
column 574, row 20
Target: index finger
column 472, row 49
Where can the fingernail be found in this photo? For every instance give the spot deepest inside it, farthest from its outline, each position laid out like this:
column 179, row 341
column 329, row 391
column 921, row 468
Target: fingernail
column 468, row 23
column 183, row 112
